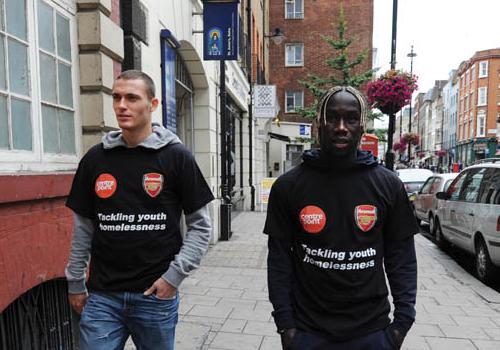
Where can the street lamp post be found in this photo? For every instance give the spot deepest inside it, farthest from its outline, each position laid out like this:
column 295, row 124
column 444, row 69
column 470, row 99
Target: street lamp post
column 411, row 55
column 389, row 155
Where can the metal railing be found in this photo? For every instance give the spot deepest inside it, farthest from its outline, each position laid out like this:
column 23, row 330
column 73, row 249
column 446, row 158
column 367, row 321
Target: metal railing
column 40, row 319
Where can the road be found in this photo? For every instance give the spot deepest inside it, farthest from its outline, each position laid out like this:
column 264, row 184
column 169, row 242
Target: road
column 465, row 260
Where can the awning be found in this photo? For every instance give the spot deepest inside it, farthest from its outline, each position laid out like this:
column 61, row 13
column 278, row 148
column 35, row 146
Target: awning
column 279, row 137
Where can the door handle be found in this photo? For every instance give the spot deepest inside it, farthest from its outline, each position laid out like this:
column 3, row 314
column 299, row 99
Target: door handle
column 471, row 214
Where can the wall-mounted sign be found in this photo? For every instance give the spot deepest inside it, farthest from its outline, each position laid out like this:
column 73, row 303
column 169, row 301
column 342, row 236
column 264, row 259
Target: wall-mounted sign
column 220, row 30
column 305, row 130
column 168, row 57
column 265, row 103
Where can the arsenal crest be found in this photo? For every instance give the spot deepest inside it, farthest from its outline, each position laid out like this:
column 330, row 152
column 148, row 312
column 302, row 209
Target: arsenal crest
column 366, row 216
column 152, row 183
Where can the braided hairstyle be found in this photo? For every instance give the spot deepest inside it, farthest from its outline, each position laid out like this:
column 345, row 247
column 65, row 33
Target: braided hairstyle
column 363, row 106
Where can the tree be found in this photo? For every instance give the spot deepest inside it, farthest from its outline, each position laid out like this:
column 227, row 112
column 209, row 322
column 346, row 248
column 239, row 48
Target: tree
column 341, row 65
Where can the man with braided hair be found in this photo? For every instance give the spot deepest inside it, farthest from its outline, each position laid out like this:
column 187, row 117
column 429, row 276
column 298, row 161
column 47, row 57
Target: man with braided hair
column 338, row 225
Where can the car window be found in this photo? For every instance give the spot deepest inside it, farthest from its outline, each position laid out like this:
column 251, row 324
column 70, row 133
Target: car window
column 456, row 186
column 436, row 184
column 427, row 185
column 413, row 186
column 490, row 187
column 447, row 184
column 470, row 189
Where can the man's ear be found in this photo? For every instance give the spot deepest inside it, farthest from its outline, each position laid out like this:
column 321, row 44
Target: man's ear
column 154, row 104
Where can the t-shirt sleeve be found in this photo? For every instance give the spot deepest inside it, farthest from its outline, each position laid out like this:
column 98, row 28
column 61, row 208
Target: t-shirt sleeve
column 195, row 192
column 401, row 222
column 279, row 219
column 81, row 196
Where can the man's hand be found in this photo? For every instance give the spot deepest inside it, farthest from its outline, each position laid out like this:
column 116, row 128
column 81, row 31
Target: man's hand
column 77, row 301
column 162, row 289
column 287, row 337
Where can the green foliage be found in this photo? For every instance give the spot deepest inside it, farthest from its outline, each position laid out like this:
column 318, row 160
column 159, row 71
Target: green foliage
column 342, row 66
column 311, row 140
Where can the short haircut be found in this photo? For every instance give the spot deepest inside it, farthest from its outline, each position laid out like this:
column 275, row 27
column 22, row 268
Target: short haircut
column 133, row 74
column 363, row 106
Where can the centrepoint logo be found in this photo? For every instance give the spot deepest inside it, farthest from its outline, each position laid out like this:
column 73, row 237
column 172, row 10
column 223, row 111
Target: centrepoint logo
column 105, row 185
column 312, row 218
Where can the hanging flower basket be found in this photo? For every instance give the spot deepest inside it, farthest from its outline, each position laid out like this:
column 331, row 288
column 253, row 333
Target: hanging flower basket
column 391, row 91
column 410, row 138
column 420, row 154
column 441, row 153
column 399, row 147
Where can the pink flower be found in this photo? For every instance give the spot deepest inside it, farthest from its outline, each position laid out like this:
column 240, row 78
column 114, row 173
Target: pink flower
column 394, row 88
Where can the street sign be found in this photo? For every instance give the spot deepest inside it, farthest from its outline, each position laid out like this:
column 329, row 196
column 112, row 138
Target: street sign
column 220, row 30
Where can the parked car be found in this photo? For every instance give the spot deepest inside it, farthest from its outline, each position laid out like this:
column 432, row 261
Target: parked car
column 468, row 216
column 425, row 203
column 413, row 179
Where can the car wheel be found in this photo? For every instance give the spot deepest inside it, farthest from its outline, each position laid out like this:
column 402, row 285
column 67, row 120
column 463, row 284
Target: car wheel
column 432, row 225
column 440, row 240
column 485, row 270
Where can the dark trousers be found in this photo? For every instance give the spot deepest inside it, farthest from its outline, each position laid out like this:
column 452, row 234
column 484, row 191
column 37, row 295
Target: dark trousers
column 373, row 341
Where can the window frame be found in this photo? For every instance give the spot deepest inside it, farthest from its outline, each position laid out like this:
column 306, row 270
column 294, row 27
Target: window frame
column 481, row 116
column 294, row 100
column 12, row 160
column 296, row 15
column 483, row 69
column 294, row 45
column 479, row 90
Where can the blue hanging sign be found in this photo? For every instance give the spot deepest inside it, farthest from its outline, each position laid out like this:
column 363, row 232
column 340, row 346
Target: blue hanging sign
column 220, row 30
column 168, row 57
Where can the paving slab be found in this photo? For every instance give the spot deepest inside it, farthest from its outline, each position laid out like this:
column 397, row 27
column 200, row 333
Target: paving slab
column 224, row 304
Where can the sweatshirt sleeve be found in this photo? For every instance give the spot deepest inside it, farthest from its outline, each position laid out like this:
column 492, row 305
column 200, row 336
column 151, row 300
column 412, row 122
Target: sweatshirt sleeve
column 401, row 267
column 193, row 248
column 83, row 231
column 280, row 281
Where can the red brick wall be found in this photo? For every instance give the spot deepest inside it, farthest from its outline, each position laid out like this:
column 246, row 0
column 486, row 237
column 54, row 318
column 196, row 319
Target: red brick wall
column 318, row 18
column 35, row 232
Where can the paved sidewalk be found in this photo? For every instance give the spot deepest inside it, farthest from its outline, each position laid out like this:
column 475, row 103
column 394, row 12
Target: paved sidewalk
column 224, row 304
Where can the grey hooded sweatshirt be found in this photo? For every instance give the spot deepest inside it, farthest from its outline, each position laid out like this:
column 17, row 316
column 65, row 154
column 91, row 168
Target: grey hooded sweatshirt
column 195, row 243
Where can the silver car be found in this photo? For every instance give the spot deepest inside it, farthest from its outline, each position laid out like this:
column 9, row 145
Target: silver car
column 425, row 203
column 468, row 216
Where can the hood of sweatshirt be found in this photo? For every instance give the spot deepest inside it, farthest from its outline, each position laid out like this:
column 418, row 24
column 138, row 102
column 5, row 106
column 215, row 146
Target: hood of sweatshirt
column 159, row 138
column 315, row 158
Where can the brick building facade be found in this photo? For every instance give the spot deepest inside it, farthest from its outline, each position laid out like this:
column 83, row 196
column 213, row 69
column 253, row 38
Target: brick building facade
column 478, row 106
column 302, row 52
column 306, row 27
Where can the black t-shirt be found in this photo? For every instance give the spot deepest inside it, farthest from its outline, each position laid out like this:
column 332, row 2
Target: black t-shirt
column 135, row 197
column 337, row 221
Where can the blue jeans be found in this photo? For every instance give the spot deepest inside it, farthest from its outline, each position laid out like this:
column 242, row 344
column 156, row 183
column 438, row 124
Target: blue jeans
column 374, row 341
column 108, row 319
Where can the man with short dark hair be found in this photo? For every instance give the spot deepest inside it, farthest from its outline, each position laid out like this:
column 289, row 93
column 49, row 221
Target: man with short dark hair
column 334, row 223
column 127, row 197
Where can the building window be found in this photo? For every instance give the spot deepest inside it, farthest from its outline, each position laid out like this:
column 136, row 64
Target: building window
column 293, row 100
column 294, row 155
column 294, row 55
column 481, row 124
column 36, row 83
column 294, row 9
column 483, row 69
column 482, row 94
